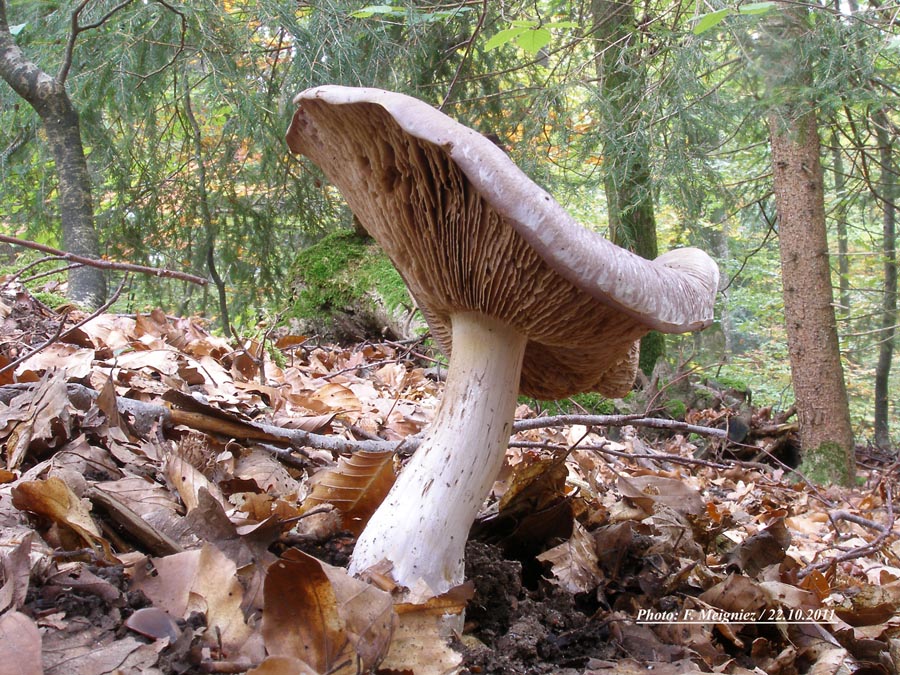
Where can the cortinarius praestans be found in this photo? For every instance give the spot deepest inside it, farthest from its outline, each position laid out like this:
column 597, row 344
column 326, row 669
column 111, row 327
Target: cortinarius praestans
column 519, row 295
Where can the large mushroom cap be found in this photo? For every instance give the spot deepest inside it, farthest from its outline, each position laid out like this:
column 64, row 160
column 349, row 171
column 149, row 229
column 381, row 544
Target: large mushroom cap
column 469, row 231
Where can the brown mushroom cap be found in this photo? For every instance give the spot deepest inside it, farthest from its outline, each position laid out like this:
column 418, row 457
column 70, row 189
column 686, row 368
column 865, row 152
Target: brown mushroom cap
column 469, row 231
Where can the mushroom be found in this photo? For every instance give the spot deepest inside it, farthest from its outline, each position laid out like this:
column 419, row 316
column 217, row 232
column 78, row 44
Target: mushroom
column 518, row 295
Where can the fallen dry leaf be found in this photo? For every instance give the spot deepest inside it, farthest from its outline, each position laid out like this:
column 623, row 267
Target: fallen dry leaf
column 334, row 398
column 76, row 363
column 320, row 615
column 574, row 563
column 282, row 665
column 39, row 416
column 421, row 643
column 53, row 499
column 201, row 580
column 356, row 487
column 20, row 645
column 83, row 648
column 16, row 572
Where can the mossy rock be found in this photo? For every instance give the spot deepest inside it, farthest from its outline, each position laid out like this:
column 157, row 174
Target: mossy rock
column 347, row 290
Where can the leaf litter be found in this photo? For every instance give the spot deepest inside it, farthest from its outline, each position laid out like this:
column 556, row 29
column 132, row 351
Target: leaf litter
column 172, row 503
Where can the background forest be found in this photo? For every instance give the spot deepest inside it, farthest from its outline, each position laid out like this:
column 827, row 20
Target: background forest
column 650, row 121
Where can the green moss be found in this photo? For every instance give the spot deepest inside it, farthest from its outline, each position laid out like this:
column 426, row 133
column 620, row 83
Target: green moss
column 732, row 383
column 322, row 274
column 653, row 347
column 51, row 300
column 826, row 465
column 590, row 403
column 379, row 272
column 344, row 273
column 676, row 409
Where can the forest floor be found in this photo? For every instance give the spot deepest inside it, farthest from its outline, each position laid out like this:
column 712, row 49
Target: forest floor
column 173, row 504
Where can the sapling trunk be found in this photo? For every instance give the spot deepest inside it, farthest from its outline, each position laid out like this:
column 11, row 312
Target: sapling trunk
column 422, row 526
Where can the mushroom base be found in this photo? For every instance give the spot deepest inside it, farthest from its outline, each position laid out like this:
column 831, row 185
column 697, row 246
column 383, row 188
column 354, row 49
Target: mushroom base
column 422, row 526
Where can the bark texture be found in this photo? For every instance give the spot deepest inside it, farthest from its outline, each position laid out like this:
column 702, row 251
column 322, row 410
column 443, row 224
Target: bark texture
column 817, row 373
column 50, row 100
column 888, row 190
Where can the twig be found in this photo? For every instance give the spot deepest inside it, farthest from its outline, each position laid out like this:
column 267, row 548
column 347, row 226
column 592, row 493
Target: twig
column 855, row 518
column 77, row 29
column 617, row 421
column 283, row 455
column 603, row 449
column 104, row 264
column 875, row 545
column 470, row 44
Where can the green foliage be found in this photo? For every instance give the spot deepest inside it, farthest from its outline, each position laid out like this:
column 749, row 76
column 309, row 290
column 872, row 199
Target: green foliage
column 676, row 408
column 704, row 22
column 531, row 36
column 50, row 299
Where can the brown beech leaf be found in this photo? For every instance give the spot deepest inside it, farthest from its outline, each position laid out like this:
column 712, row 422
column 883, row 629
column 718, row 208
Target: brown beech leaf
column 20, row 645
column 74, row 362
column 335, row 398
column 16, row 574
column 282, row 665
column 266, row 472
column 356, row 487
column 766, row 547
column 53, row 499
column 287, row 341
column 322, row 616
column 421, row 642
column 154, row 623
column 201, row 580
column 314, row 423
column 83, row 648
column 669, row 491
column 533, row 485
column 736, row 593
column 367, row 612
column 641, row 667
column 38, row 416
column 574, row 563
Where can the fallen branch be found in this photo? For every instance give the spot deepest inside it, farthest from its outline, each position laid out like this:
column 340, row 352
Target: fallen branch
column 885, row 532
column 145, row 417
column 104, row 264
column 616, row 421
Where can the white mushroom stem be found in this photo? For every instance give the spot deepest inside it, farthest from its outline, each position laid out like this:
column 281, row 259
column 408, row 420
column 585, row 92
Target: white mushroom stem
column 422, row 526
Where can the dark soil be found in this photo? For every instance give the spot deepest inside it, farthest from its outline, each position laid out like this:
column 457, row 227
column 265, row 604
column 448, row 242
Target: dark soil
column 514, row 629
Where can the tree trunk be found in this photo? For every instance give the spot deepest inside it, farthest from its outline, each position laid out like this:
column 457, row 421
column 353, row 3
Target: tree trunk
column 840, row 218
column 826, row 434
column 48, row 96
column 626, row 153
column 209, row 225
column 889, row 299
